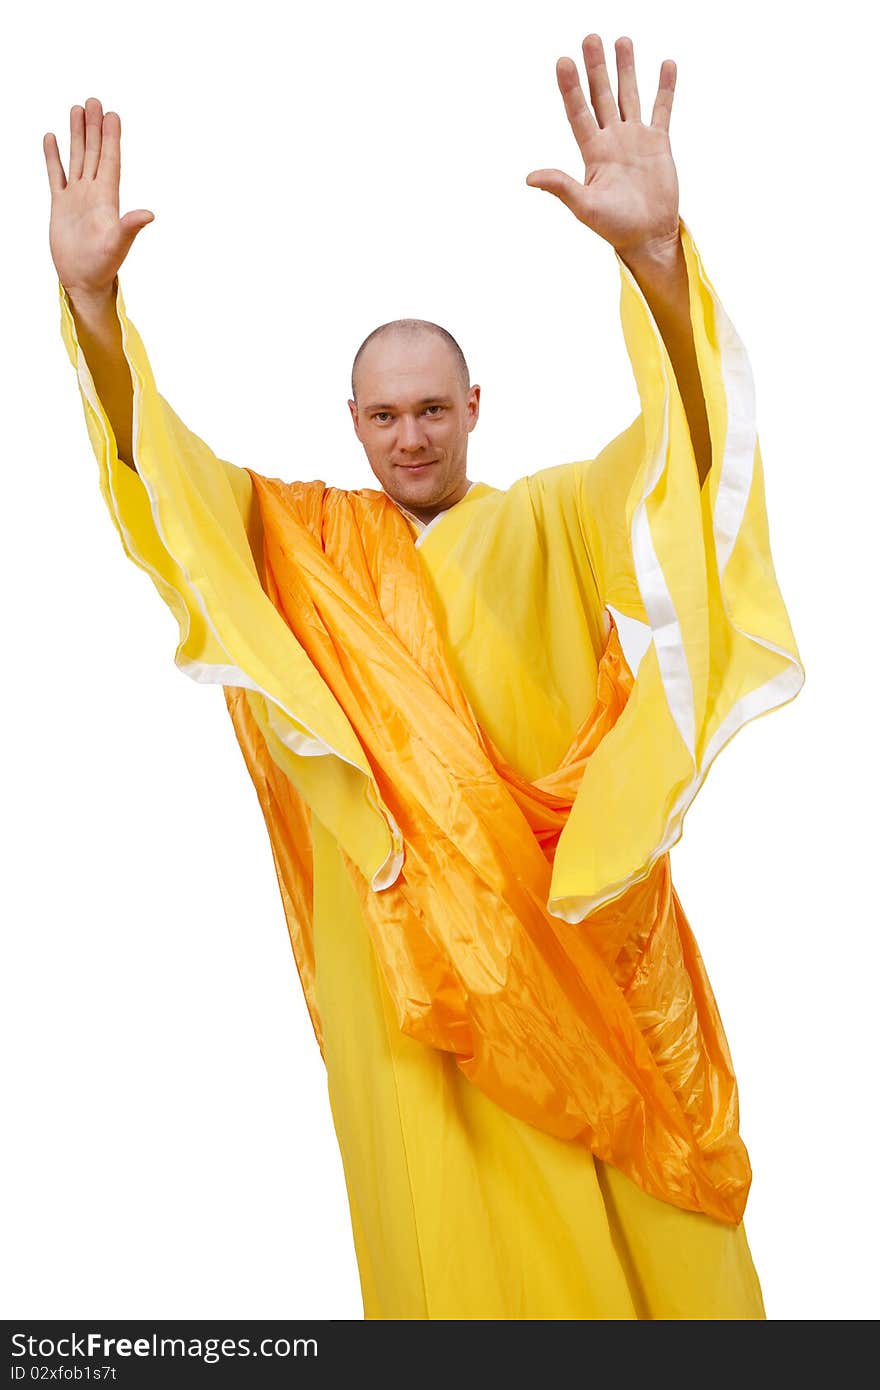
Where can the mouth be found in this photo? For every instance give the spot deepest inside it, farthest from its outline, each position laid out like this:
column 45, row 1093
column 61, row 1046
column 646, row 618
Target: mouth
column 417, row 467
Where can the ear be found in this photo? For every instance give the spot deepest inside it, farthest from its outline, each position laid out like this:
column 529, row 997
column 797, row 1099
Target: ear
column 473, row 407
column 354, row 417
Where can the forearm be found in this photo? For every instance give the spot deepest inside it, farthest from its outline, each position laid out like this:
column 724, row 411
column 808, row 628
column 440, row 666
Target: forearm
column 662, row 277
column 100, row 335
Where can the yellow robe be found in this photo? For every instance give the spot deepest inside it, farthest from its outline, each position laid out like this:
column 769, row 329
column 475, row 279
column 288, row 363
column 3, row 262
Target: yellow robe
column 459, row 1208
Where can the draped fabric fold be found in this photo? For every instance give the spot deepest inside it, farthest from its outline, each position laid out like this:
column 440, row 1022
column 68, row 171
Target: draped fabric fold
column 529, row 927
column 695, row 566
column 186, row 517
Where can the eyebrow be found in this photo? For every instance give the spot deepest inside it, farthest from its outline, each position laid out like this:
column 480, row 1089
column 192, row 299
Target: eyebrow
column 428, row 400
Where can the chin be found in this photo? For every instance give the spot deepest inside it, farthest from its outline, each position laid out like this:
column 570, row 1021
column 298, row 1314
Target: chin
column 426, row 486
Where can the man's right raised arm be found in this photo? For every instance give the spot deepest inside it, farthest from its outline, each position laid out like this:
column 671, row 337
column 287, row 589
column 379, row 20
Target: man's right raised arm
column 89, row 241
column 100, row 336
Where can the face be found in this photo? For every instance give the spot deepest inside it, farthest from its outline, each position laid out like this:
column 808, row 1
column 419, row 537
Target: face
column 413, row 417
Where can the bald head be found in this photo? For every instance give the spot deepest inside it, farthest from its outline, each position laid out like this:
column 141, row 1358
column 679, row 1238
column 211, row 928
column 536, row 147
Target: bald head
column 413, row 409
column 401, row 329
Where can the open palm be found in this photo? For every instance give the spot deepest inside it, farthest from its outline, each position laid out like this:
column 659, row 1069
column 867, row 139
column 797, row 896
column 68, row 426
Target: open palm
column 629, row 194
column 88, row 240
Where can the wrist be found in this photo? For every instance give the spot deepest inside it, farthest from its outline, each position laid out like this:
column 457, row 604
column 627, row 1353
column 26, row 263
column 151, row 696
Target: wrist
column 658, row 256
column 91, row 304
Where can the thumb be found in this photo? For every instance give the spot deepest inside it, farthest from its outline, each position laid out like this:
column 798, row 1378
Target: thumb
column 567, row 189
column 131, row 224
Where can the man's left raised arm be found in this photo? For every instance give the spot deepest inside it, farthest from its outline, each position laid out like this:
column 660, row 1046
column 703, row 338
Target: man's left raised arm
column 629, row 196
column 661, row 275
column 692, row 566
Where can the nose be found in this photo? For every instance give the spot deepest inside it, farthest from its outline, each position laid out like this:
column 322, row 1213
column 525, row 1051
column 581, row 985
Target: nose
column 412, row 435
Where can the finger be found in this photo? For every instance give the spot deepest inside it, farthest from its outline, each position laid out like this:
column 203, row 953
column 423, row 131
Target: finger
column 567, row 189
column 77, row 142
column 94, row 122
column 54, row 167
column 131, row 224
column 601, row 94
column 134, row 221
column 665, row 91
column 580, row 117
column 627, row 89
column 108, row 168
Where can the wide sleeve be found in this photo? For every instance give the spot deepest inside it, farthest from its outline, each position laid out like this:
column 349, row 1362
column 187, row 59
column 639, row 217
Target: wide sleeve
column 695, row 566
column 187, row 518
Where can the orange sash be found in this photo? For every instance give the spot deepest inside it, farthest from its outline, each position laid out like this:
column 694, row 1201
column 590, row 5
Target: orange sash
column 603, row 1031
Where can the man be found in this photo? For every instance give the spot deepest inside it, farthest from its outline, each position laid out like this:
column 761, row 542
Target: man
column 469, row 795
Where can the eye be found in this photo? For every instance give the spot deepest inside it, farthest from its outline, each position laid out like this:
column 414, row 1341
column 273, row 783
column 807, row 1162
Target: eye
column 435, row 407
column 380, row 412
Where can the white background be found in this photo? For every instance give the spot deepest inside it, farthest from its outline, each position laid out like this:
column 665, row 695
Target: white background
column 170, row 1150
